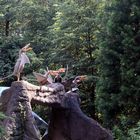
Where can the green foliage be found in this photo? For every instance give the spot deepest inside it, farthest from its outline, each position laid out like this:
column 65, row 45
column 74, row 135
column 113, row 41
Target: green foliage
column 134, row 133
column 99, row 39
column 8, row 51
column 73, row 33
column 118, row 134
column 8, row 55
column 2, row 116
column 117, row 98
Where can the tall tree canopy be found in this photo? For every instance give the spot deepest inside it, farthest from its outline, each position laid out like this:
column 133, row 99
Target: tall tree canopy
column 118, row 85
column 96, row 38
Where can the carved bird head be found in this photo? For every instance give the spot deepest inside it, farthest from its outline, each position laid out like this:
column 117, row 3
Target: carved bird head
column 73, row 82
column 26, row 48
column 80, row 78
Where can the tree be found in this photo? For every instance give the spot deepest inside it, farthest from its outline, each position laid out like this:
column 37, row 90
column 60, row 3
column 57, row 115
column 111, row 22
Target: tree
column 74, row 42
column 117, row 88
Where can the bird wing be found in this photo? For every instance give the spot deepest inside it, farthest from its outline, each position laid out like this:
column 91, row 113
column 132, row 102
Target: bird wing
column 39, row 77
column 66, row 73
column 54, row 72
column 17, row 67
column 49, row 77
column 24, row 59
column 50, row 80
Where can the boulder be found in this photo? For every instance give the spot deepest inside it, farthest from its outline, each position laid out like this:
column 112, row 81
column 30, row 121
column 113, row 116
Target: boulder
column 67, row 121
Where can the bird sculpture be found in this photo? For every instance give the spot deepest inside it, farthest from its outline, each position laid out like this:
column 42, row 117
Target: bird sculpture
column 43, row 79
column 72, row 84
column 21, row 61
column 57, row 74
column 78, row 79
column 47, row 77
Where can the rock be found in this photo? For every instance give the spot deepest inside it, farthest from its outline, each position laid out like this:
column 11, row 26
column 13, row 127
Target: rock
column 67, row 121
column 20, row 123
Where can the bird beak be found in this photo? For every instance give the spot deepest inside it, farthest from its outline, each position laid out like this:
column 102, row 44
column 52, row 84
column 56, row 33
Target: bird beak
column 83, row 77
column 28, row 49
column 62, row 70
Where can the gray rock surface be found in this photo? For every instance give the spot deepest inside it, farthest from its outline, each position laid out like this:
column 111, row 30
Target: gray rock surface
column 67, row 121
column 20, row 123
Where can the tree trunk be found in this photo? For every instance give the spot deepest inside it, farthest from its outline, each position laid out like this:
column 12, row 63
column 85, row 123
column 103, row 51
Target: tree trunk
column 7, row 24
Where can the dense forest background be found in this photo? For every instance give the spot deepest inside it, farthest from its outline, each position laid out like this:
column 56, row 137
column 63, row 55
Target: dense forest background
column 97, row 38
